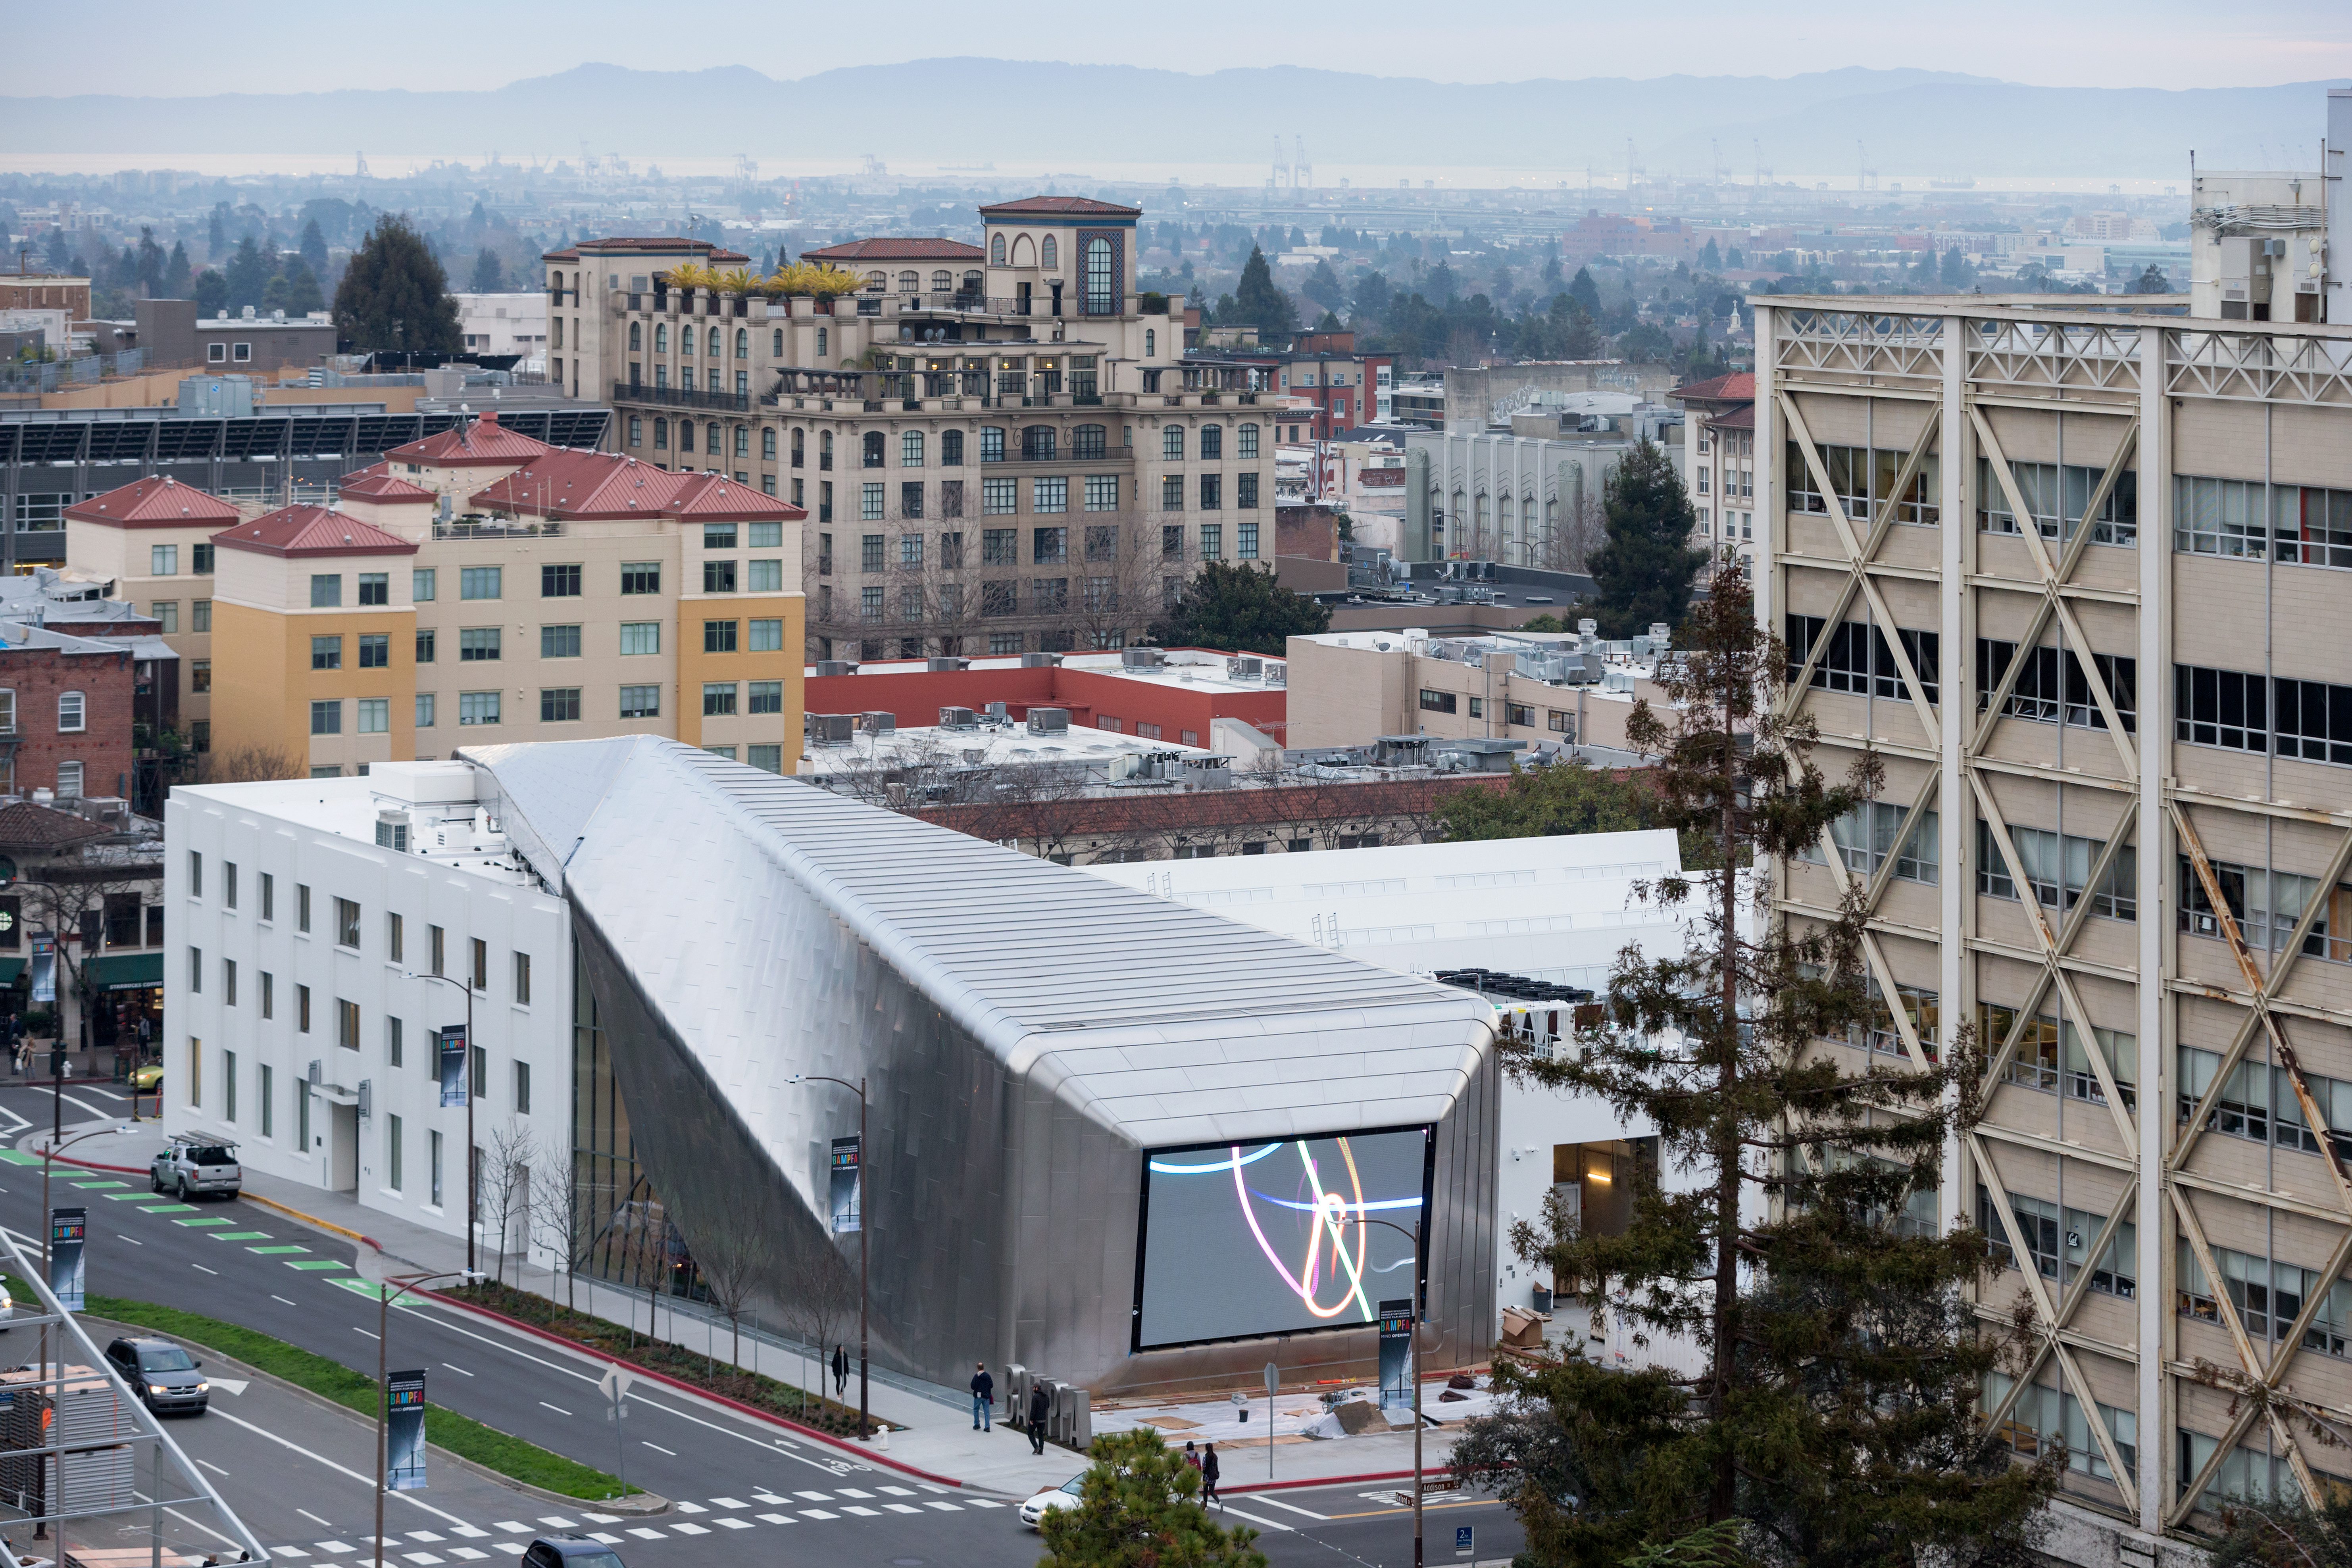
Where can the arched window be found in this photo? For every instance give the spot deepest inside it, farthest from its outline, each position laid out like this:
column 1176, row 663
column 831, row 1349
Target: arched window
column 686, row 435
column 636, row 336
column 1213, row 443
column 951, row 448
column 910, row 449
column 73, row 712
column 1036, row 443
column 768, row 444
column 661, row 337
column 1096, row 276
column 876, row 282
column 1151, row 343
column 996, row 250
column 714, row 342
column 942, row 281
column 661, row 435
column 742, row 343
column 1247, row 444
column 1046, row 254
column 873, row 449
column 685, row 340
column 742, row 441
column 910, row 283
column 971, row 280
column 1171, row 443
column 710, row 439
column 776, row 349
column 800, row 447
column 824, row 449
column 1088, row 441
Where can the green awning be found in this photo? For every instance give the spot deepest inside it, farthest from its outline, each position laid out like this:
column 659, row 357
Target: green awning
column 9, row 969
column 124, row 971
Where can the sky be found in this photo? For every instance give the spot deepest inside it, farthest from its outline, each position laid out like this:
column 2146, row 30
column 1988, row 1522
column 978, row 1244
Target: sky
column 176, row 50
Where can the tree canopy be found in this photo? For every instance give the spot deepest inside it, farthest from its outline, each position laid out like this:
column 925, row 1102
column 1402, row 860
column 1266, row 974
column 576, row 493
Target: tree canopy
column 1139, row 1507
column 1259, row 302
column 1242, row 608
column 394, row 297
column 1645, row 571
column 1543, row 802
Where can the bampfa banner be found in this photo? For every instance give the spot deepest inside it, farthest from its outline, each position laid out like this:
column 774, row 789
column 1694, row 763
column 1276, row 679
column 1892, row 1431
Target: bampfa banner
column 1396, row 1354
column 453, row 1065
column 404, row 1429
column 845, row 1194
column 68, row 1230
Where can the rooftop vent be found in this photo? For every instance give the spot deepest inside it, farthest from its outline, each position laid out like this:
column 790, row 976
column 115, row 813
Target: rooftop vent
column 959, row 718
column 1049, row 721
column 1040, row 661
column 830, row 729
column 878, row 723
column 996, row 713
column 1141, row 658
column 391, row 831
column 1246, row 669
column 837, row 666
column 937, row 666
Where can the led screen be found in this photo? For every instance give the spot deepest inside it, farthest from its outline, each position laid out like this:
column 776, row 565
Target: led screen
column 1272, row 1237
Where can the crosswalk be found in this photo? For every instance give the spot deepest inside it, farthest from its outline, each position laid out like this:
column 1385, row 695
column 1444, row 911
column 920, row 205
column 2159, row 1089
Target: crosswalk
column 510, row 1537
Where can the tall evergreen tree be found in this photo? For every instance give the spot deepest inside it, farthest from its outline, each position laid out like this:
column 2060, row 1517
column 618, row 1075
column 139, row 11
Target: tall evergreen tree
column 313, row 245
column 149, row 264
column 177, row 275
column 489, row 278
column 294, row 290
column 216, row 232
column 248, row 273
column 1645, row 571
column 1838, row 1367
column 1585, row 292
column 395, row 298
column 1259, row 302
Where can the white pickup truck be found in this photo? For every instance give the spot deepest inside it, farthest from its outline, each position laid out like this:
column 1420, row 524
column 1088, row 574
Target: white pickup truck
column 195, row 1167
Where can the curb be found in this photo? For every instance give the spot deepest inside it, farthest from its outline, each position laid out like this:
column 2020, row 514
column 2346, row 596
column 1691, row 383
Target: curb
column 1426, row 1472
column 870, row 1456
column 87, row 1165
column 290, row 1212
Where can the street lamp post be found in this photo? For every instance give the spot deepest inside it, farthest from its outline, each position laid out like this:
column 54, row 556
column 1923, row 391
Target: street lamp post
column 865, row 1425
column 473, row 1186
column 388, row 1293
column 1420, row 1291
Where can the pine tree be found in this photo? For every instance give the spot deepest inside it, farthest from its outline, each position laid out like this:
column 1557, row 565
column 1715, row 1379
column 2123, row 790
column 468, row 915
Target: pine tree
column 313, row 245
column 395, row 298
column 1585, row 292
column 1139, row 1507
column 1258, row 302
column 178, row 276
column 489, row 278
column 216, row 232
column 1645, row 571
column 248, row 274
column 294, row 290
column 1834, row 1401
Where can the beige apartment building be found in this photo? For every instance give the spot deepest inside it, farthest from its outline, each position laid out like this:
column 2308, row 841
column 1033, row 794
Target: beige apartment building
column 1000, row 447
column 478, row 586
column 1348, row 688
column 1721, row 463
column 2077, row 571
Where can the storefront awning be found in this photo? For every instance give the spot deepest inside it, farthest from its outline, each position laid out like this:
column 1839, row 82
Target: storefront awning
column 125, row 971
column 10, row 969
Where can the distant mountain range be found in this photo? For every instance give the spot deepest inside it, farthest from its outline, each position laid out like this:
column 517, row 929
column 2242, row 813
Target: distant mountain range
column 1912, row 123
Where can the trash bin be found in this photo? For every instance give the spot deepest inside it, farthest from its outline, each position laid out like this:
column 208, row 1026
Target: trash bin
column 1543, row 1300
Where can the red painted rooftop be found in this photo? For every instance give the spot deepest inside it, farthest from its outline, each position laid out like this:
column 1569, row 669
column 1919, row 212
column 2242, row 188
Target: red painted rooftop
column 913, row 249
column 375, row 484
column 589, row 487
column 1062, row 205
column 1739, row 386
column 625, row 245
column 312, row 531
column 155, row 504
column 480, row 443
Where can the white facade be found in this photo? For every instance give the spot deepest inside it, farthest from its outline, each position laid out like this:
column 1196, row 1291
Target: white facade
column 1556, row 909
column 505, row 324
column 301, row 1022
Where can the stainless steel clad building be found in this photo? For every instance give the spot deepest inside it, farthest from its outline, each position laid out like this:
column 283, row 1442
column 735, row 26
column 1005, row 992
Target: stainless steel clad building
column 1120, row 1140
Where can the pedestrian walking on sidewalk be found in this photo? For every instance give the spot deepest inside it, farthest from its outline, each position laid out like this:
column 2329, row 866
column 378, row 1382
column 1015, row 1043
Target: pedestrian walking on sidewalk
column 1039, row 1408
column 983, row 1398
column 1209, row 1476
column 1191, row 1454
column 840, row 1371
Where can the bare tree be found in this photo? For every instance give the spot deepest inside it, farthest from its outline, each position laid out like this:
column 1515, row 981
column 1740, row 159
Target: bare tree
column 736, row 1263
column 558, row 1192
column 1566, row 544
column 248, row 764
column 506, row 1196
column 819, row 1298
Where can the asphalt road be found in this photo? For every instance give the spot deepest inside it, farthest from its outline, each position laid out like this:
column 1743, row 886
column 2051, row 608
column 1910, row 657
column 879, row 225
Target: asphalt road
column 300, row 1475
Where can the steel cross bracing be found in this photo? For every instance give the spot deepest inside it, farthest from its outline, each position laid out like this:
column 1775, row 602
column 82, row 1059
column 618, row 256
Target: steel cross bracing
column 2257, row 998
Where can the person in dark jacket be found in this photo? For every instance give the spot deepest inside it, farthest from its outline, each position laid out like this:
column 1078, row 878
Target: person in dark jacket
column 983, row 1398
column 1209, row 1476
column 840, row 1370
column 1039, row 1408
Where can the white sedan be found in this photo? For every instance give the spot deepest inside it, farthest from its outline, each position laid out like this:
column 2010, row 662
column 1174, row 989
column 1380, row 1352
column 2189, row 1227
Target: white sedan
column 1063, row 1496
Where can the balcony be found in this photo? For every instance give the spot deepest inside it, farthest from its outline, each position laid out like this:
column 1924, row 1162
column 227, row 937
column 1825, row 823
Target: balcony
column 677, row 397
column 477, row 527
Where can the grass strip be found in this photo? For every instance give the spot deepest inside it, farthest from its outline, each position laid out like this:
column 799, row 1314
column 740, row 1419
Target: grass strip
column 460, row 1434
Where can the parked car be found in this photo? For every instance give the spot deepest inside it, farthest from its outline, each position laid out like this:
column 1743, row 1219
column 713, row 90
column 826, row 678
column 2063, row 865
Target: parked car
column 569, row 1551
column 1033, row 1511
column 193, row 1167
column 167, row 1379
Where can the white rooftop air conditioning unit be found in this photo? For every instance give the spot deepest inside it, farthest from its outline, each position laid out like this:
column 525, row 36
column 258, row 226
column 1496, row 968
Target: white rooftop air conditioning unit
column 1049, row 721
column 1141, row 658
column 1244, row 668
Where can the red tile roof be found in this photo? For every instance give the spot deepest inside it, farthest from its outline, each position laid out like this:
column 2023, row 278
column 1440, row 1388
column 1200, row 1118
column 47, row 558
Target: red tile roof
column 590, row 486
column 376, row 483
column 910, row 249
column 482, row 443
column 155, row 504
column 717, row 256
column 1064, row 206
column 312, row 531
column 26, row 825
column 1738, row 387
column 1741, row 418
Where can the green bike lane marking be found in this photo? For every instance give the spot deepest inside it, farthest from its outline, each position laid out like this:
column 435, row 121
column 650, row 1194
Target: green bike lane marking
column 204, row 1224
column 240, row 1236
column 315, row 1263
column 267, row 1251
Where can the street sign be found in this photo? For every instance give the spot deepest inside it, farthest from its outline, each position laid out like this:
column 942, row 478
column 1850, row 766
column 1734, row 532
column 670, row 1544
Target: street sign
column 1465, row 1538
column 1273, row 1379
column 614, row 1383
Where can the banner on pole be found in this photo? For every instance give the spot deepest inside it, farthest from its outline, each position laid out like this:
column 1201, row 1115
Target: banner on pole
column 404, row 1424
column 846, row 1186
column 1396, row 1354
column 453, row 1065
column 45, row 969
column 69, row 1228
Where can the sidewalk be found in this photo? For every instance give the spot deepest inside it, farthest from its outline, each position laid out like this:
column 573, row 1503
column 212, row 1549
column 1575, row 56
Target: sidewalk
column 932, row 1425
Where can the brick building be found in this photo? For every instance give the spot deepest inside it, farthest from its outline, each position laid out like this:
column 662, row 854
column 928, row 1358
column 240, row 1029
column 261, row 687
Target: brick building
column 67, row 706
column 46, row 291
column 1176, row 695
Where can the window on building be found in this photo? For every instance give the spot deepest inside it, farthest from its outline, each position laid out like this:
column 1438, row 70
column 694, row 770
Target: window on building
column 425, row 710
column 326, row 653
column 768, row 635
column 477, row 707
column 326, row 589
column 327, row 717
column 1245, row 442
column 559, row 705
column 1245, row 491
column 1246, row 541
column 163, row 561
column 1049, row 546
column 1102, row 492
column 718, row 698
column 481, row 581
column 1213, row 443
column 200, row 615
column 1438, row 702
column 718, row 576
column 1212, row 541
column 374, row 715
column 1213, row 487
column 639, row 637
column 479, row 644
column 1171, row 443
column 1859, row 659
column 375, row 650
column 766, row 696
column 2052, row 689
column 2058, row 498
column 640, row 577
column 641, row 702
column 718, row 636
column 421, row 584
